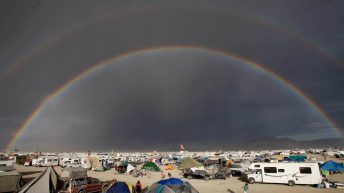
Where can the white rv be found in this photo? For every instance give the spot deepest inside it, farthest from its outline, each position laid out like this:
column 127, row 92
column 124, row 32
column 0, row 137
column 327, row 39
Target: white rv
column 6, row 165
column 37, row 162
column 285, row 173
column 72, row 162
column 50, row 161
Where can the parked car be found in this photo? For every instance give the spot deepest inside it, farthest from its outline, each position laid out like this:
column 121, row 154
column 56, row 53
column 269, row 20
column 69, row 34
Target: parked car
column 221, row 174
column 197, row 174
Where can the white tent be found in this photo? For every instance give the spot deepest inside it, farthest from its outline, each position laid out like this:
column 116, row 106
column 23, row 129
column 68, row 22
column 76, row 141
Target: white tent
column 130, row 168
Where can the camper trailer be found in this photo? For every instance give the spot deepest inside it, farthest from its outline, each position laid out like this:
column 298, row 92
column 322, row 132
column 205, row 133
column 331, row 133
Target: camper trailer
column 6, row 165
column 50, row 161
column 37, row 162
column 285, row 173
column 72, row 162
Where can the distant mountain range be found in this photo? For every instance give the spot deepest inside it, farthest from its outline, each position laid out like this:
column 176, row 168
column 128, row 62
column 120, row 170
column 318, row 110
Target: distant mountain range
column 271, row 143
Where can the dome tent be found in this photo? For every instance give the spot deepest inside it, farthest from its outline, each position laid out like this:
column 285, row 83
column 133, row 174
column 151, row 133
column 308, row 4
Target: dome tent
column 150, row 166
column 189, row 163
column 332, row 166
column 121, row 187
column 172, row 185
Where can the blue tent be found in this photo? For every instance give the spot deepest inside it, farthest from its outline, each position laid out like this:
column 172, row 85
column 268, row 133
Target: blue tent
column 171, row 181
column 287, row 159
column 332, row 166
column 120, row 187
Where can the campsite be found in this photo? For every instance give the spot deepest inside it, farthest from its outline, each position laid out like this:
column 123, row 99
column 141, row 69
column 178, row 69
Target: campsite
column 192, row 171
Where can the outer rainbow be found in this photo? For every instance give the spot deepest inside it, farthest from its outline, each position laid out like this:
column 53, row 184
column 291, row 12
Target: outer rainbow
column 55, row 39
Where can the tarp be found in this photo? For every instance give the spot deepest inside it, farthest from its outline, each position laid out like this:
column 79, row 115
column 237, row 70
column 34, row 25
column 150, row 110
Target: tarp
column 150, row 166
column 44, row 183
column 278, row 157
column 189, row 163
column 298, row 158
column 9, row 181
column 332, row 166
column 120, row 187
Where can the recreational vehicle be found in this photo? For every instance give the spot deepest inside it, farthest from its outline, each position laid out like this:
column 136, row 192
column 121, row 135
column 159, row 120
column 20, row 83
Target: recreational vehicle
column 49, row 161
column 38, row 161
column 6, row 165
column 285, row 173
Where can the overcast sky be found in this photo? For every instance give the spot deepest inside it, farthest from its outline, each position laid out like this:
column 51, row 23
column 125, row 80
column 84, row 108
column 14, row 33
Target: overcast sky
column 164, row 97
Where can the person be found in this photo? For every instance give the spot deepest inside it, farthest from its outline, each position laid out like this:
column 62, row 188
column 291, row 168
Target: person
column 138, row 186
column 246, row 188
column 169, row 175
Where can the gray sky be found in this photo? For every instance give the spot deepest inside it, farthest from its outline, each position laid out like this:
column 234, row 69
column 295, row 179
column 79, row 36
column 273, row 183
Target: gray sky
column 159, row 99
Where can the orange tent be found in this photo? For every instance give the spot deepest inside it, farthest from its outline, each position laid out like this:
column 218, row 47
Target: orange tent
column 169, row 167
column 229, row 163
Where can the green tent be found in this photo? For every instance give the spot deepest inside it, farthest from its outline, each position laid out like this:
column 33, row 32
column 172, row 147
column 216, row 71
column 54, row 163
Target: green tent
column 189, row 163
column 150, row 166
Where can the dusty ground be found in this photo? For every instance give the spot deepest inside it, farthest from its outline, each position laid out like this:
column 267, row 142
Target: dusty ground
column 212, row 186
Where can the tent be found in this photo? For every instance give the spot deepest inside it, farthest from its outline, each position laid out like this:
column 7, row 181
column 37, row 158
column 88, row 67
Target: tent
column 332, row 166
column 172, row 185
column 150, row 166
column 169, row 167
column 157, row 162
column 130, row 168
column 121, row 187
column 47, row 182
column 229, row 163
column 122, row 168
column 100, row 168
column 95, row 163
column 189, row 163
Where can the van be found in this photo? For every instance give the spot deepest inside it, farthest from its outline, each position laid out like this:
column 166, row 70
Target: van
column 285, row 173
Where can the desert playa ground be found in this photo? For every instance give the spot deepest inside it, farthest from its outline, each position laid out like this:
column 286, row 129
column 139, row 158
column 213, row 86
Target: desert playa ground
column 233, row 184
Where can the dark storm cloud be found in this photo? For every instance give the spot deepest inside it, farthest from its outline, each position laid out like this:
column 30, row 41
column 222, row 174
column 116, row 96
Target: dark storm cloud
column 228, row 26
column 168, row 98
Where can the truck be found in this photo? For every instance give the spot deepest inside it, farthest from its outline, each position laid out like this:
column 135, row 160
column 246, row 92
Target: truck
column 285, row 173
column 238, row 168
column 75, row 180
